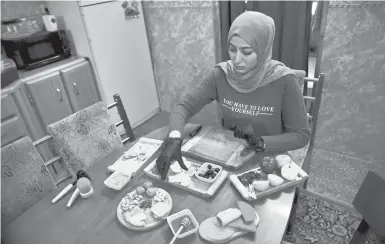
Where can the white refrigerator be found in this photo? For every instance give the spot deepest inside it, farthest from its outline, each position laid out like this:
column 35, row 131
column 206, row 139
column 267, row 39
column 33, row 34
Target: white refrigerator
column 118, row 49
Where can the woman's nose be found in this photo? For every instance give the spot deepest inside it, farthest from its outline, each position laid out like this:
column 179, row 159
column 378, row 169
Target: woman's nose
column 238, row 58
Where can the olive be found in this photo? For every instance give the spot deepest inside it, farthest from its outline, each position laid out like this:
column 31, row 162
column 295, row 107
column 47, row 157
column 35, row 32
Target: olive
column 217, row 170
column 244, row 181
column 209, row 166
column 257, row 176
column 210, row 171
column 213, row 175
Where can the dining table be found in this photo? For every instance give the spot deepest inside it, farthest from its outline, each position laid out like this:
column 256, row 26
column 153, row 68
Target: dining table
column 94, row 220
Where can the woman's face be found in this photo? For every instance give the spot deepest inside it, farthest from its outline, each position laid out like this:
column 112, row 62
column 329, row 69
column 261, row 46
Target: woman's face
column 242, row 55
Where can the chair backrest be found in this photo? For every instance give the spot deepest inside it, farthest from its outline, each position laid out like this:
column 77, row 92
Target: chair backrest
column 127, row 136
column 85, row 137
column 370, row 202
column 312, row 97
column 24, row 178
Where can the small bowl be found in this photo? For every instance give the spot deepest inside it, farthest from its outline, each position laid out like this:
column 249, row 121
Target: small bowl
column 203, row 168
column 180, row 215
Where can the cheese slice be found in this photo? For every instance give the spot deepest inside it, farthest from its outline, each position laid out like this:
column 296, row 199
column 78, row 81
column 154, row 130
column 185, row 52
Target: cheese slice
column 138, row 220
column 160, row 210
column 175, row 167
column 248, row 213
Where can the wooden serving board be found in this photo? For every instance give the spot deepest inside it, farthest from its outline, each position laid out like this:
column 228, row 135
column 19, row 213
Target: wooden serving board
column 196, row 186
column 133, row 165
column 208, row 228
column 244, row 191
column 218, row 146
column 152, row 221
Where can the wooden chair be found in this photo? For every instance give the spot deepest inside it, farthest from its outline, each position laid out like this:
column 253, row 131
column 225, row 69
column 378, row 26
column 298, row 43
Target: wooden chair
column 128, row 135
column 24, row 178
column 370, row 203
column 313, row 100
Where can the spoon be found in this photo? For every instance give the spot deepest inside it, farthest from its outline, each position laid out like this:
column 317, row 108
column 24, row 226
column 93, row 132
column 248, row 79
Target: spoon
column 184, row 223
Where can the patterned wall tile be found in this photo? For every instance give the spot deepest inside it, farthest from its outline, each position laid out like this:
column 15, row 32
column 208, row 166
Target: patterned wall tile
column 352, row 114
column 181, row 42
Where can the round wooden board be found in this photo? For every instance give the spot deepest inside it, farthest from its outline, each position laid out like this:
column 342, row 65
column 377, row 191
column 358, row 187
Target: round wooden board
column 207, row 228
column 153, row 222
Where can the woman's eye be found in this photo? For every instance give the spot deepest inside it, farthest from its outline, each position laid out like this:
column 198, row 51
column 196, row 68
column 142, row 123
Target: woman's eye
column 232, row 50
column 247, row 54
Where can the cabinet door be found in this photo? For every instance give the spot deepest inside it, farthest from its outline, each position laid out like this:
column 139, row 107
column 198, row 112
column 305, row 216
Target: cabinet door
column 49, row 98
column 81, row 86
column 12, row 125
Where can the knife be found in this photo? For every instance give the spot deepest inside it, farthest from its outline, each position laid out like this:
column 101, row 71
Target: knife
column 192, row 134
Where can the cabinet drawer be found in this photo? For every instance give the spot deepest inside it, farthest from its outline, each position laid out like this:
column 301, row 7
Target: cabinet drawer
column 81, row 85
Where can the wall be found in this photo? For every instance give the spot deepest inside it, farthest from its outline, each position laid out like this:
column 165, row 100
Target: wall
column 17, row 9
column 351, row 133
column 182, row 44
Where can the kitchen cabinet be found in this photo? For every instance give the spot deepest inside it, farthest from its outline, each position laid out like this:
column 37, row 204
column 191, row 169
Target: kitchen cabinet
column 79, row 82
column 49, row 98
column 43, row 96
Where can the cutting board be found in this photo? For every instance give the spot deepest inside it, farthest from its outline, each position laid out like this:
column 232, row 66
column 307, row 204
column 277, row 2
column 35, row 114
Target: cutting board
column 218, row 146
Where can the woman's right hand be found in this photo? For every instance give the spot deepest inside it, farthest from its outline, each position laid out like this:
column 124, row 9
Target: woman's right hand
column 171, row 150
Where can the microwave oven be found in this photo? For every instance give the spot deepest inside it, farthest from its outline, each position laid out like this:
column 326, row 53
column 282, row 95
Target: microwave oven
column 36, row 50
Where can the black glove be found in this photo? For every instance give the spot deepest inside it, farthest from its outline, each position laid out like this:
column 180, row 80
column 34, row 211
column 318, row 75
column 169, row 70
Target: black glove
column 171, row 150
column 247, row 133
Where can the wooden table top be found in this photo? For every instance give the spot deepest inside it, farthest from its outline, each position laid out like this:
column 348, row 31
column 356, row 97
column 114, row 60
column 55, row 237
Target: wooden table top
column 94, row 221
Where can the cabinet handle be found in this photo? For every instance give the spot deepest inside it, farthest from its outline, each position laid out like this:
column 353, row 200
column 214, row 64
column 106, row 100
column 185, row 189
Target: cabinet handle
column 76, row 90
column 59, row 95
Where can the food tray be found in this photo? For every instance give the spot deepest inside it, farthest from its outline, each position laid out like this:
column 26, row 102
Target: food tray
column 130, row 166
column 244, row 191
column 117, row 180
column 218, row 146
column 196, row 186
column 152, row 221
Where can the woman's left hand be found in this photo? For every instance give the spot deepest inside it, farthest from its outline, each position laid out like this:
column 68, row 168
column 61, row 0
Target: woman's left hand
column 246, row 133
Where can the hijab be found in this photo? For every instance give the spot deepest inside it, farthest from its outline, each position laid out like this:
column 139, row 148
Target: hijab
column 258, row 31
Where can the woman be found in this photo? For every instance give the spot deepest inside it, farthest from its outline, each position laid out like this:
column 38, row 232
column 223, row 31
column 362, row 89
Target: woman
column 260, row 98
